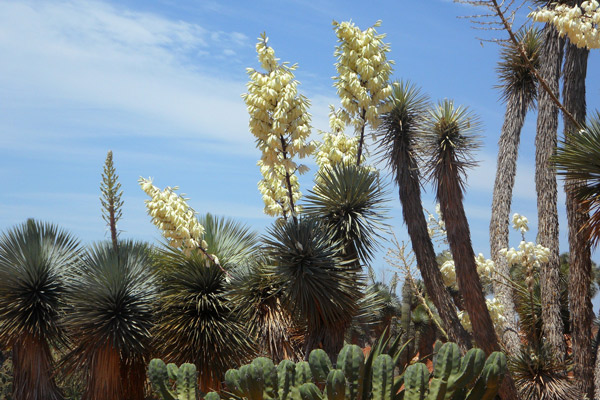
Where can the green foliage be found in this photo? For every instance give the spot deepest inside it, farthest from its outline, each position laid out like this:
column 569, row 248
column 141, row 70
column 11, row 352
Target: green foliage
column 196, row 320
column 576, row 159
column 34, row 259
column 539, row 375
column 231, row 241
column 111, row 197
column 315, row 284
column 164, row 378
column 349, row 200
column 111, row 299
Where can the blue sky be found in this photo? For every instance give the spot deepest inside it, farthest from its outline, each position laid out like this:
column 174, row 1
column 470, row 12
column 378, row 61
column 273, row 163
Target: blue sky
column 159, row 83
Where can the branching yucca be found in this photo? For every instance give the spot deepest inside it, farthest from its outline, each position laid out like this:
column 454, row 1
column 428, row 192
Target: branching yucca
column 110, row 319
column 33, row 259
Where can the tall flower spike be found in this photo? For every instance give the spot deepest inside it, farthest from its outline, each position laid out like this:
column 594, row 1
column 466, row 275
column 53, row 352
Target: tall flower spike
column 174, row 217
column 336, row 147
column 281, row 124
column 363, row 76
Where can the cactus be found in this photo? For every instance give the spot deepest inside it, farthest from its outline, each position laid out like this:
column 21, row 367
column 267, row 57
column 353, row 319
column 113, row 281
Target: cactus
column 185, row 376
column 212, row 396
column 286, row 377
column 335, row 388
column 309, row 391
column 488, row 383
column 303, row 373
column 383, row 378
column 351, row 361
column 320, row 365
column 415, row 382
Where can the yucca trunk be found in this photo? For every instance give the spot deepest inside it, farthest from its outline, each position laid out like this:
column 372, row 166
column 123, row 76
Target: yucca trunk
column 580, row 264
column 506, row 170
column 409, row 191
column 450, row 195
column 104, row 375
column 546, row 187
column 32, row 370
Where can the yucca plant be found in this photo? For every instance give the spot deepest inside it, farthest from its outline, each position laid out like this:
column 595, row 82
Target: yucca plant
column 398, row 137
column 539, row 376
column 518, row 86
column 349, row 200
column 197, row 321
column 110, row 317
column 231, row 241
column 316, row 285
column 34, row 258
column 278, row 335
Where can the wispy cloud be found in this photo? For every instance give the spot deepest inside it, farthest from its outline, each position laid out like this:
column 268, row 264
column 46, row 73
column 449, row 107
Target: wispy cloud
column 98, row 59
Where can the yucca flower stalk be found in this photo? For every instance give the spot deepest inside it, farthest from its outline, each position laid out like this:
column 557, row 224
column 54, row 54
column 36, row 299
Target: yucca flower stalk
column 110, row 317
column 177, row 220
column 34, row 259
column 111, row 198
column 281, row 124
column 362, row 82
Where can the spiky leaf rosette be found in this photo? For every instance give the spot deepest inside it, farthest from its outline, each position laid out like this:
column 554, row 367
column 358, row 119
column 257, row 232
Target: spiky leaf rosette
column 110, row 319
column 231, row 241
column 315, row 283
column 349, row 200
column 33, row 259
column 197, row 321
column 272, row 325
column 539, row 375
column 398, row 127
column 517, row 80
column 448, row 140
column 578, row 159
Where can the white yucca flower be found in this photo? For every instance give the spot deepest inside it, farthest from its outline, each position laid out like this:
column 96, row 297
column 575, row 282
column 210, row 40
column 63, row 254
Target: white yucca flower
column 580, row 23
column 281, row 124
column 174, row 217
column 363, row 76
column 496, row 313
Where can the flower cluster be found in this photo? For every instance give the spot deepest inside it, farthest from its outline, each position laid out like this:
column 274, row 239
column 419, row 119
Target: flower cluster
column 580, row 23
column 363, row 74
column 336, row 146
column 281, row 124
column 520, row 223
column 174, row 217
column 496, row 313
column 485, row 269
column 436, row 227
column 530, row 256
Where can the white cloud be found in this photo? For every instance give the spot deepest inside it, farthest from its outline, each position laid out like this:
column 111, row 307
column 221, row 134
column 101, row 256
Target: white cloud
column 99, row 59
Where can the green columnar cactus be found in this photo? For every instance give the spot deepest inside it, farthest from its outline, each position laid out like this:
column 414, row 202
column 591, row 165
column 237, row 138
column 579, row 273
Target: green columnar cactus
column 286, row 377
column 488, row 383
column 212, row 396
column 415, row 382
column 185, row 376
column 383, row 378
column 351, row 361
column 309, row 391
column 336, row 385
column 320, row 365
column 471, row 377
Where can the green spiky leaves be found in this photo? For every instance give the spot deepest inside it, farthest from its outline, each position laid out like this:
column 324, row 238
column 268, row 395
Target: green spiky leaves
column 349, row 200
column 448, row 140
column 517, row 80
